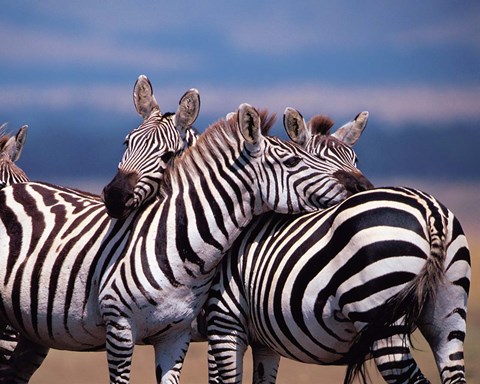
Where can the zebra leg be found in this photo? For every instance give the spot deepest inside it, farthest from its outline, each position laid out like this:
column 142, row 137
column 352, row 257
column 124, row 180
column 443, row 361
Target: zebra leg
column 443, row 320
column 8, row 342
column 443, row 324
column 24, row 361
column 225, row 359
column 120, row 344
column 395, row 362
column 169, row 355
column 265, row 364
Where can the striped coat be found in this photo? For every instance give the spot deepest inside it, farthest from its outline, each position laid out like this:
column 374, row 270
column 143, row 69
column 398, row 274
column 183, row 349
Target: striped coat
column 169, row 248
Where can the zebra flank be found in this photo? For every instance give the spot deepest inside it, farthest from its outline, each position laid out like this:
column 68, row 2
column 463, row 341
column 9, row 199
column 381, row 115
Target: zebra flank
column 339, row 286
column 73, row 278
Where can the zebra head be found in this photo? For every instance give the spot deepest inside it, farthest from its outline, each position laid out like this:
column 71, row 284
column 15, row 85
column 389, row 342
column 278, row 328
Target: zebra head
column 299, row 180
column 149, row 148
column 10, row 151
column 335, row 150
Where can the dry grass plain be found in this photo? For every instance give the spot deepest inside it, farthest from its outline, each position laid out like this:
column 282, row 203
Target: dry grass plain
column 464, row 201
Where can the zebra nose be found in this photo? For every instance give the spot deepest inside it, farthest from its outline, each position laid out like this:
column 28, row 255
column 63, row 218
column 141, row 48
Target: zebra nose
column 353, row 181
column 118, row 194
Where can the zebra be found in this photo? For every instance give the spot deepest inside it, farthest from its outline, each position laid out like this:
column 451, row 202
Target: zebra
column 168, row 134
column 143, row 279
column 10, row 150
column 316, row 138
column 156, row 144
column 339, row 286
column 338, row 154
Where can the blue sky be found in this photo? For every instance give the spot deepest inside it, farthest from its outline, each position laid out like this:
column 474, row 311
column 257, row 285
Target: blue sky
column 67, row 69
column 399, row 60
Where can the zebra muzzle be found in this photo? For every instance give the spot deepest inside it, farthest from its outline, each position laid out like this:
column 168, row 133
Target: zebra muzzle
column 118, row 195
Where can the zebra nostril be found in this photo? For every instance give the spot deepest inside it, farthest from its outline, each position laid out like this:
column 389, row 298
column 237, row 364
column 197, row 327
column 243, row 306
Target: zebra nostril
column 353, row 182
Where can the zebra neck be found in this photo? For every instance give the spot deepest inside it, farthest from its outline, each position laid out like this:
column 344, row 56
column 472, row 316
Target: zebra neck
column 197, row 224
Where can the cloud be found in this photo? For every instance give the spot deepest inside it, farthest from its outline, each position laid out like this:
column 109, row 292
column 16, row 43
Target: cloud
column 395, row 105
column 36, row 46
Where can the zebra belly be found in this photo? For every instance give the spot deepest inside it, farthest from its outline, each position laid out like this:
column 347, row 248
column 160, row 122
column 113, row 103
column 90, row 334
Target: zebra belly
column 58, row 316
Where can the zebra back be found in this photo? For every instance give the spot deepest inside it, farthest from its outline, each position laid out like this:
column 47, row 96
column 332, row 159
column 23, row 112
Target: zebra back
column 10, row 150
column 149, row 148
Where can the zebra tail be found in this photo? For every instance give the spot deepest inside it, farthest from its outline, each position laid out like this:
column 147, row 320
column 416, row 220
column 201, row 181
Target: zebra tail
column 407, row 305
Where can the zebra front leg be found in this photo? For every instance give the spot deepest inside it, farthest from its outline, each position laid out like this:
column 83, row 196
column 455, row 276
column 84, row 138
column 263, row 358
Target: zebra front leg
column 394, row 360
column 120, row 344
column 170, row 352
column 8, row 342
column 24, row 361
column 265, row 364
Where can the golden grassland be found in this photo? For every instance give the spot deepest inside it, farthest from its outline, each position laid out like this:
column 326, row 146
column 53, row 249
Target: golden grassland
column 463, row 200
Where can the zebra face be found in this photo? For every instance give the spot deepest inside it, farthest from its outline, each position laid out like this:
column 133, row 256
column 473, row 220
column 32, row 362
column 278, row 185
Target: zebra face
column 289, row 178
column 149, row 149
column 341, row 160
column 334, row 150
column 303, row 181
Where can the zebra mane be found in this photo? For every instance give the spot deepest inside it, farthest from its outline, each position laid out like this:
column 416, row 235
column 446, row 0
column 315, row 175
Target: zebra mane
column 320, row 125
column 268, row 120
column 219, row 138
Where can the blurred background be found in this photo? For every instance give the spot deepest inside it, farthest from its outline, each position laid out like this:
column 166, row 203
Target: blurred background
column 67, row 69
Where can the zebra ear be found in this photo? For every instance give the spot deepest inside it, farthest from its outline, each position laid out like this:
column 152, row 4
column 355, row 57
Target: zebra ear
column 249, row 123
column 188, row 109
column 143, row 97
column 351, row 132
column 15, row 144
column 295, row 126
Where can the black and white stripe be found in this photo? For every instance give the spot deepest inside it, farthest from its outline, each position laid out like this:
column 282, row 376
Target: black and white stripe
column 142, row 280
column 338, row 286
column 149, row 148
column 87, row 219
column 10, row 150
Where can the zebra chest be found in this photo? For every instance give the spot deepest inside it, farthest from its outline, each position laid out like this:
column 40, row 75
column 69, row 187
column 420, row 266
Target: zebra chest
column 151, row 308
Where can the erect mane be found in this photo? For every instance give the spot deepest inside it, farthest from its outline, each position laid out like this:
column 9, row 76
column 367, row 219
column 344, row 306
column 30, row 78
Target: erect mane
column 321, row 125
column 267, row 121
column 216, row 137
column 221, row 137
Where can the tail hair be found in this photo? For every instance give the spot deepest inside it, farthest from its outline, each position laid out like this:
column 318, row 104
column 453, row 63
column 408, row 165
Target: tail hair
column 407, row 304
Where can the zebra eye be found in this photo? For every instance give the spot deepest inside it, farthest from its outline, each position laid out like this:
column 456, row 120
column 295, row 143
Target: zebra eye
column 166, row 156
column 292, row 161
